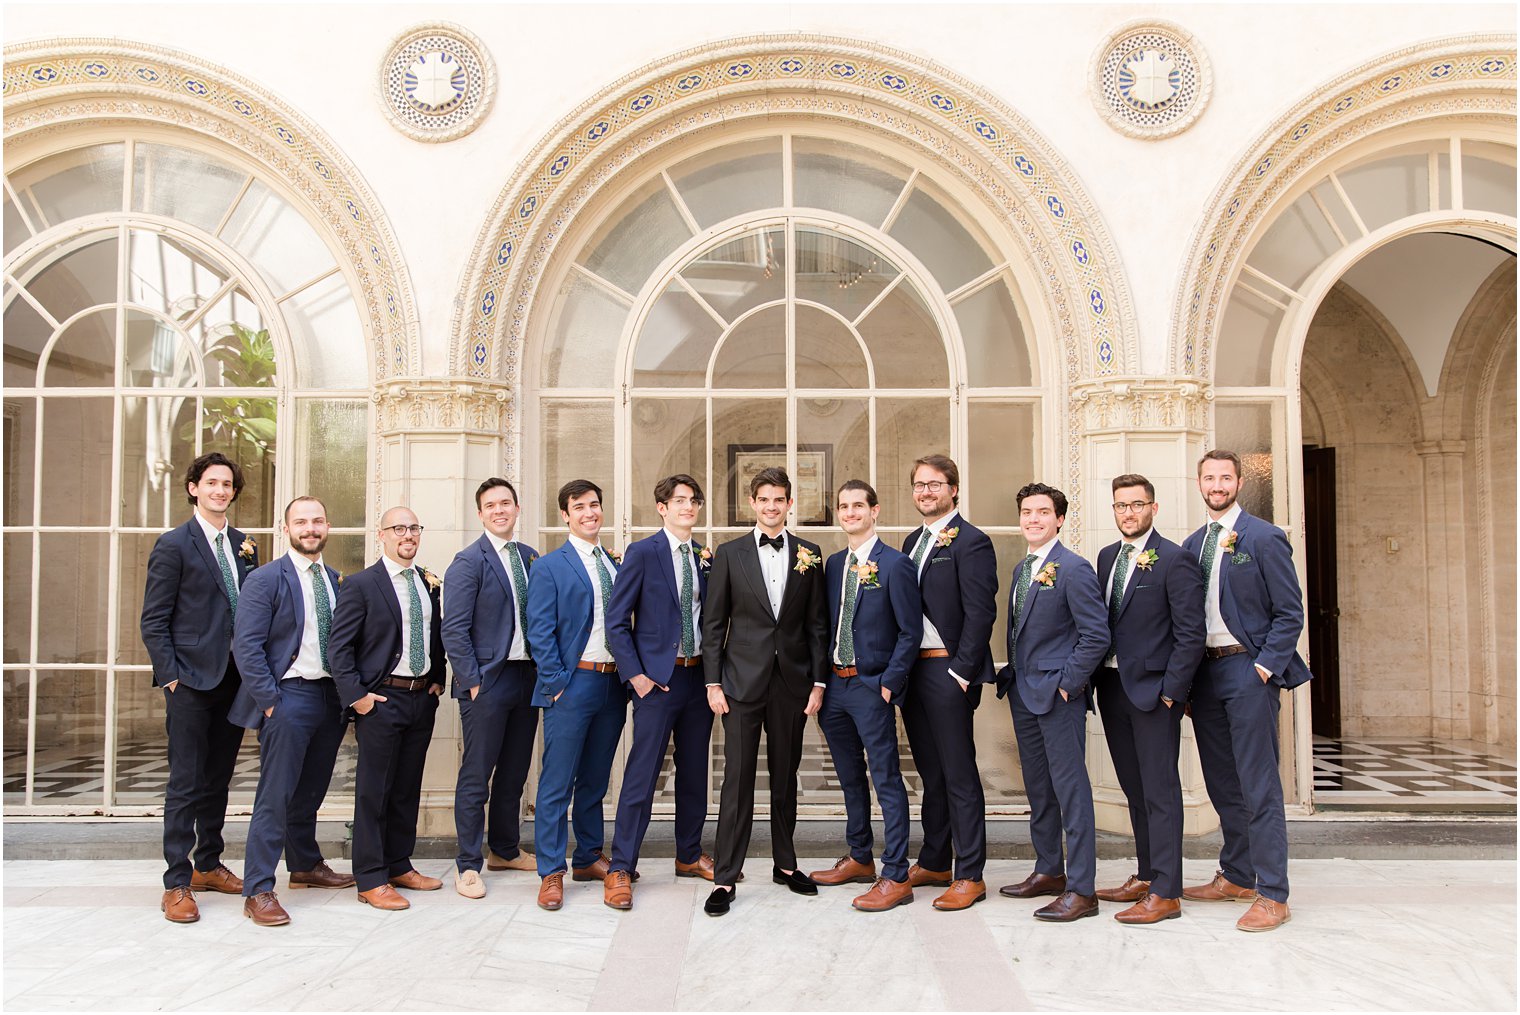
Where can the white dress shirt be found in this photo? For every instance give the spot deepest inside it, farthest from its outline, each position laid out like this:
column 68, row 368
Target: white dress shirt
column 1138, row 542
column 596, row 650
column 773, row 567
column 227, row 547
column 932, row 638
column 696, row 584
column 308, row 663
column 1219, row 635
column 862, row 555
column 398, row 583
column 519, row 649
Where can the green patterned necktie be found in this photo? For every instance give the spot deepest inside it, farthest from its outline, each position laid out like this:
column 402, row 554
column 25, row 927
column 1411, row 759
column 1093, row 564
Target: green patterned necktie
column 922, row 548
column 228, row 581
column 1210, row 548
column 1025, row 577
column 519, row 585
column 688, row 597
column 1116, row 597
column 324, row 612
column 847, row 614
column 414, row 614
column 604, row 578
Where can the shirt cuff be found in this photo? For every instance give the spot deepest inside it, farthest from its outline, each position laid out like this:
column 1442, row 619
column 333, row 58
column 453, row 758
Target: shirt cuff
column 819, row 683
column 958, row 679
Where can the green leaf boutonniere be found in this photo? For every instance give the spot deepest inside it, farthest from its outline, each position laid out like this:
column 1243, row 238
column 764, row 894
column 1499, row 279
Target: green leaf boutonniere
column 806, row 560
column 1147, row 559
column 1047, row 575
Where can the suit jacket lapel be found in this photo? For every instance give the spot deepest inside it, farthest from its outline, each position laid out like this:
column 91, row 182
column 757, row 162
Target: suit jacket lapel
column 1034, row 587
column 577, row 566
column 392, row 601
column 494, row 564
column 749, row 565
column 789, row 587
column 293, row 583
column 198, row 538
column 667, row 566
column 1134, row 575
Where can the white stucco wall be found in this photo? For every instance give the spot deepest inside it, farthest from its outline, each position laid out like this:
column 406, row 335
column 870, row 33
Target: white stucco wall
column 323, row 59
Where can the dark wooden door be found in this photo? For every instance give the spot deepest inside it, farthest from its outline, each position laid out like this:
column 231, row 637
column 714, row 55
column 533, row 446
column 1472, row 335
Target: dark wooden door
column 1323, row 606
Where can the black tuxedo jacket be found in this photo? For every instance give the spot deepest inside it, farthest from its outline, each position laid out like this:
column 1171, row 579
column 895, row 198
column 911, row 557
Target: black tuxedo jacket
column 1159, row 634
column 959, row 589
column 365, row 646
column 186, row 618
column 743, row 642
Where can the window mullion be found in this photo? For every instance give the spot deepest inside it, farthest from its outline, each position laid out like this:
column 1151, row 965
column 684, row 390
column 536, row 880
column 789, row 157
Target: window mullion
column 20, row 206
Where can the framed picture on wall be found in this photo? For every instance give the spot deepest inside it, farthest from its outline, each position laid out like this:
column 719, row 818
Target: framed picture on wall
column 812, row 483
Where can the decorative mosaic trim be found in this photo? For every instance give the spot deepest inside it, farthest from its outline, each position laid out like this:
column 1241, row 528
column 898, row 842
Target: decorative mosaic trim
column 1469, row 77
column 57, row 84
column 437, row 82
column 1150, row 80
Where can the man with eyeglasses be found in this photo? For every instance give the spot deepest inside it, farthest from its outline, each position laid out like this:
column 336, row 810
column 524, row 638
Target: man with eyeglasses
column 957, row 580
column 387, row 656
column 1154, row 593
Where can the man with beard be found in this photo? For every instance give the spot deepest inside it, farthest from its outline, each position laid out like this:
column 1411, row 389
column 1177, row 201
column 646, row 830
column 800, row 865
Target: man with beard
column 280, row 642
column 1253, row 616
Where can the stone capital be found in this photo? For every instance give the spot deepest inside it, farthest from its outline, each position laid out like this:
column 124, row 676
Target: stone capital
column 1130, row 404
column 462, row 405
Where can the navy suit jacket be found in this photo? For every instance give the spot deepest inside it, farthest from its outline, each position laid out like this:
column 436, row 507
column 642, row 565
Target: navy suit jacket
column 271, row 618
column 648, row 589
column 1158, row 636
column 889, row 618
column 1259, row 596
column 479, row 614
column 1062, row 634
column 186, row 618
column 561, row 609
column 959, row 589
column 364, row 646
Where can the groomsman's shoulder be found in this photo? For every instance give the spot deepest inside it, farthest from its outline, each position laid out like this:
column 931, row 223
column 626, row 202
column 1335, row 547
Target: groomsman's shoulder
column 735, row 544
column 807, row 543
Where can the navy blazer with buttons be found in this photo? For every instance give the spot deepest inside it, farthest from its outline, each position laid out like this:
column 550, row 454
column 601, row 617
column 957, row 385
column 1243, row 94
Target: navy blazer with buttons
column 271, row 618
column 561, row 611
column 364, row 646
column 186, row 618
column 480, row 614
column 959, row 589
column 1062, row 633
column 889, row 618
column 648, row 589
column 1259, row 596
column 1159, row 634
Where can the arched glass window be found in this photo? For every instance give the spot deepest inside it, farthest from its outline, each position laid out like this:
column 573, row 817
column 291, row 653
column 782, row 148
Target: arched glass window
column 160, row 301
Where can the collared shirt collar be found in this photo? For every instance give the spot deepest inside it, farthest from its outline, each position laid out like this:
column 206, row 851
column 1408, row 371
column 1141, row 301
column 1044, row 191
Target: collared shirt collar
column 1044, row 551
column 863, row 552
column 935, row 528
column 211, row 531
column 582, row 547
column 300, row 562
column 1138, row 542
column 1229, row 518
column 393, row 569
column 497, row 543
column 676, row 542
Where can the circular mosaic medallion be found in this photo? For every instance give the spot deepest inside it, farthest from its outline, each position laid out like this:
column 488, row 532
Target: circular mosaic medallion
column 437, row 82
column 1150, row 80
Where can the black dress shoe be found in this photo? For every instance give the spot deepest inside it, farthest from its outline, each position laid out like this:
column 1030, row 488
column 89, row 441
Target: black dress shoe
column 1035, row 885
column 796, row 881
column 718, row 902
column 1068, row 906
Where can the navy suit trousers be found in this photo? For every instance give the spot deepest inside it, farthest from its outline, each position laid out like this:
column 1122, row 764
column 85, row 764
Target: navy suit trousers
column 1235, row 722
column 498, row 727
column 681, row 712
column 861, row 730
column 939, row 717
column 1060, row 797
column 581, row 732
column 1145, row 747
column 393, row 741
column 298, row 746
column 203, row 750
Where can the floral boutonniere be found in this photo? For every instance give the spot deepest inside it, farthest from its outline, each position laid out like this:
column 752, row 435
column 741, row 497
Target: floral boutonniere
column 806, row 560
column 865, row 574
column 249, row 550
column 341, row 576
column 947, row 536
column 433, row 581
column 1147, row 559
column 615, row 557
column 1047, row 575
column 1227, row 541
column 704, row 558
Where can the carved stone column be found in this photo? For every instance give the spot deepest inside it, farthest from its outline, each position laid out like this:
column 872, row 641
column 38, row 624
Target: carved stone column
column 1448, row 536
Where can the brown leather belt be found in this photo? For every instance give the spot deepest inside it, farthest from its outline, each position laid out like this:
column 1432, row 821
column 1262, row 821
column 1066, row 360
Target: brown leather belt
column 846, row 671
column 406, row 683
column 1221, row 651
column 688, row 661
column 596, row 667
column 934, row 653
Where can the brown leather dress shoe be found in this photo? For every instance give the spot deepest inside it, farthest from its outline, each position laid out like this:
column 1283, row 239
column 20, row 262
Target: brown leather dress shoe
column 1035, row 885
column 617, row 890
column 384, row 897
column 1221, row 889
column 1150, row 909
column 551, row 893
column 417, row 881
column 265, row 910
column 702, row 868
column 523, row 861
column 219, row 880
column 1068, row 906
column 596, row 871
column 962, row 894
column 884, row 895
column 1264, row 914
column 179, row 905
column 320, row 876
column 846, row 870
column 922, row 877
column 1133, row 890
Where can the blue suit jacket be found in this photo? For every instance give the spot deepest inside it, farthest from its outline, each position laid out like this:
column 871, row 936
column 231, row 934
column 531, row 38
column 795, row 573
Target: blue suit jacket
column 267, row 636
column 959, row 589
column 1159, row 634
column 889, row 618
column 1259, row 596
column 364, row 646
column 479, row 614
column 186, row 618
column 648, row 589
column 1062, row 635
column 561, row 608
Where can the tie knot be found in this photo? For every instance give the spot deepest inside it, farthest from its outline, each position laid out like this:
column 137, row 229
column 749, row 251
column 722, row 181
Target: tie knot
column 1126, row 549
column 316, row 567
column 685, row 549
column 852, row 559
column 1029, row 560
column 1214, row 528
column 406, row 572
column 596, row 551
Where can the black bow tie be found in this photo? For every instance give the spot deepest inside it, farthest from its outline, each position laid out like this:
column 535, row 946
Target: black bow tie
column 779, row 542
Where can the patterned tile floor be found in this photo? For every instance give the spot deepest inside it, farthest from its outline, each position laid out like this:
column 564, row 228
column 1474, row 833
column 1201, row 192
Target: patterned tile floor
column 1412, row 773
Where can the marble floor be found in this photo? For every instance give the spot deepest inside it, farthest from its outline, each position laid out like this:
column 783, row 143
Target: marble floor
column 1412, row 773
column 1365, row 935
